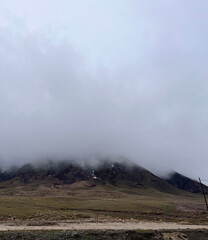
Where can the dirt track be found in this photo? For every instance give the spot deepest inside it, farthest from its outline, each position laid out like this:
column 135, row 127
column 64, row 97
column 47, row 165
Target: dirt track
column 101, row 226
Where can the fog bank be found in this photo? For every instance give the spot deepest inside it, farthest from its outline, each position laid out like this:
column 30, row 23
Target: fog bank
column 114, row 79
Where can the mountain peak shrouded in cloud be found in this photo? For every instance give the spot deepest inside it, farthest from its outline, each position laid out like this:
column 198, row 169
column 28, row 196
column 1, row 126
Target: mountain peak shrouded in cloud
column 88, row 79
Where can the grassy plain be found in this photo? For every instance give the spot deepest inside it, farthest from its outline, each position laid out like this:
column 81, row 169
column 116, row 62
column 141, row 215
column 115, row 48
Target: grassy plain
column 99, row 203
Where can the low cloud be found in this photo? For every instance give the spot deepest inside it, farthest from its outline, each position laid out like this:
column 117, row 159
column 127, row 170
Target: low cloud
column 54, row 104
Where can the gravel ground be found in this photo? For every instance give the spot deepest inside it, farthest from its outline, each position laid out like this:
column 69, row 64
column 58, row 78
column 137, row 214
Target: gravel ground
column 99, row 226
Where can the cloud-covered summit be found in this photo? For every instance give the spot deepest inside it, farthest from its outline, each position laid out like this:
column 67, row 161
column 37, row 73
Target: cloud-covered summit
column 91, row 79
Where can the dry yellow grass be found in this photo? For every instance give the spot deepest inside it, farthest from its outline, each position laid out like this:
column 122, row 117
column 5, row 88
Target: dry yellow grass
column 67, row 202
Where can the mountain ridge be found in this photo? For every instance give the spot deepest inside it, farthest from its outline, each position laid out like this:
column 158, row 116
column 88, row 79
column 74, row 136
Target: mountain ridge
column 112, row 173
column 182, row 182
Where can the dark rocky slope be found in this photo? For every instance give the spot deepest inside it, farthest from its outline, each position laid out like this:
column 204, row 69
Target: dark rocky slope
column 112, row 173
column 184, row 183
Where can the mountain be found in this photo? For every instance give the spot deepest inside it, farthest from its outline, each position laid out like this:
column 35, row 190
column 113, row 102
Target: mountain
column 184, row 183
column 45, row 174
column 130, row 175
column 113, row 174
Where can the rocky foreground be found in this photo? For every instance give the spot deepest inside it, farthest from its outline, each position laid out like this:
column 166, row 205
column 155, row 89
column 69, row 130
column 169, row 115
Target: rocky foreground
column 104, row 231
column 106, row 235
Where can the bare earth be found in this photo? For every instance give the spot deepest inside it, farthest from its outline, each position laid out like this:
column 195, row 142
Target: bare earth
column 102, row 226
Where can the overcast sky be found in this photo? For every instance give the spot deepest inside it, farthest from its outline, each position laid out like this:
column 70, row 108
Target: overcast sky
column 91, row 78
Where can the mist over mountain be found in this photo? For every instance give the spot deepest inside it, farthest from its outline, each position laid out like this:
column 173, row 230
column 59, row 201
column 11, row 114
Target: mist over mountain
column 108, row 174
column 92, row 80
